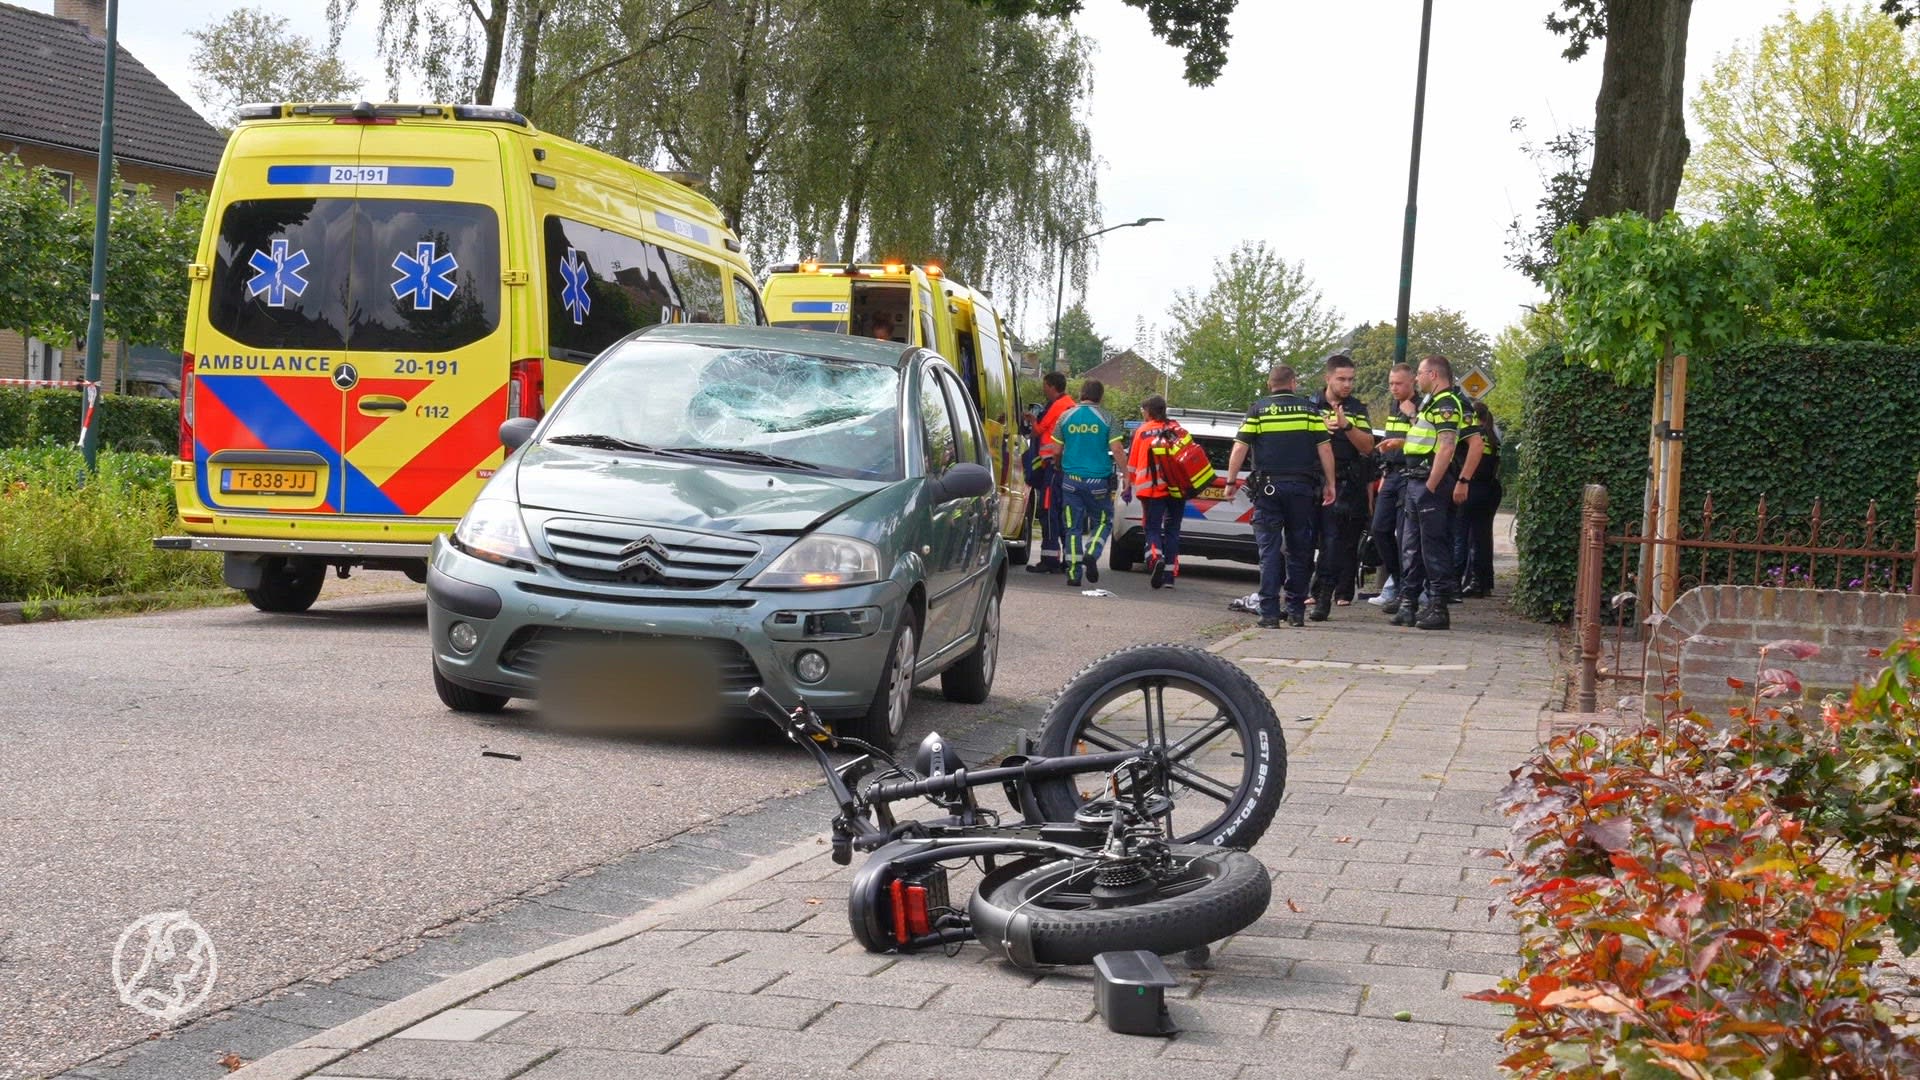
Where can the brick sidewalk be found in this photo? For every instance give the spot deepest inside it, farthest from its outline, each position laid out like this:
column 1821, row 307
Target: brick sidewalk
column 1397, row 740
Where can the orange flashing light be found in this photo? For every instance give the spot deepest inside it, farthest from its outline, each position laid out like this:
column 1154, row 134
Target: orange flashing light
column 895, row 268
column 933, row 271
column 809, row 267
column 820, row 579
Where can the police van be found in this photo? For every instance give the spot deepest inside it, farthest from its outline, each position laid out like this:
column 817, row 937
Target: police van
column 920, row 305
column 376, row 289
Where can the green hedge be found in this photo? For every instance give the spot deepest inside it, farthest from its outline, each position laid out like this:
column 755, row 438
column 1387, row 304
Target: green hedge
column 1838, row 421
column 31, row 417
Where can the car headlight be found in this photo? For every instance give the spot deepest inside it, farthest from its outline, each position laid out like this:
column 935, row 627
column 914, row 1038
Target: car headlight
column 822, row 562
column 492, row 530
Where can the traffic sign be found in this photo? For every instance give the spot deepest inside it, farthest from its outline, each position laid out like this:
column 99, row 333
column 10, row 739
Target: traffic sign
column 1477, row 383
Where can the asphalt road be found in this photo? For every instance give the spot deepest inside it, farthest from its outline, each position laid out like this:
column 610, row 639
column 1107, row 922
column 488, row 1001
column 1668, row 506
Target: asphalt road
column 294, row 785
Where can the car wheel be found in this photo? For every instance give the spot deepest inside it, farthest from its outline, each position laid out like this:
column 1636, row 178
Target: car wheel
column 460, row 699
column 971, row 680
column 1122, row 555
column 886, row 717
column 288, row 586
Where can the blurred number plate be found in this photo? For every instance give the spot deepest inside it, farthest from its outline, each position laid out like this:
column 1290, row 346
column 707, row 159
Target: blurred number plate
column 1216, row 491
column 268, row 481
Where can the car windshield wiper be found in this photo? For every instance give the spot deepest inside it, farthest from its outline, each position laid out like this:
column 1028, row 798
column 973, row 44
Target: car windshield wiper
column 604, row 442
column 757, row 457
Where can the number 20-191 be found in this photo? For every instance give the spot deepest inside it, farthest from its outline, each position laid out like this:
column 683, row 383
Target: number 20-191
column 426, row 367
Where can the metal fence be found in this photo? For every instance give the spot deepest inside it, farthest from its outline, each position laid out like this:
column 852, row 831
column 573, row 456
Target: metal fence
column 1625, row 578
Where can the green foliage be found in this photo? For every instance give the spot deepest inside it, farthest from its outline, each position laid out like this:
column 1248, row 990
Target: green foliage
column 1787, row 422
column 1439, row 331
column 1683, row 913
column 1844, row 241
column 250, row 55
column 1634, row 291
column 1823, row 78
column 49, row 244
column 65, row 534
column 1259, row 311
column 33, row 417
column 1080, row 343
column 1199, row 27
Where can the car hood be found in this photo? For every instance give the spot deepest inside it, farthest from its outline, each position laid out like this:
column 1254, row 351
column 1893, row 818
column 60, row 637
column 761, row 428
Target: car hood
column 690, row 494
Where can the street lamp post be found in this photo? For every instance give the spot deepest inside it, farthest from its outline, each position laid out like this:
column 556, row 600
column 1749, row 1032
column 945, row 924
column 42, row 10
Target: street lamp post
column 1060, row 294
column 102, row 206
column 1401, row 315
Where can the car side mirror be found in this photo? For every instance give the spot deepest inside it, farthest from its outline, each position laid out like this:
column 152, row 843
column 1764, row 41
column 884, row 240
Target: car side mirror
column 963, row 481
column 515, row 432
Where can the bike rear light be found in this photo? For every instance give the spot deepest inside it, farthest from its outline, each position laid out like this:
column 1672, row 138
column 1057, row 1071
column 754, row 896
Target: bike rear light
column 917, row 919
column 186, row 406
column 897, row 892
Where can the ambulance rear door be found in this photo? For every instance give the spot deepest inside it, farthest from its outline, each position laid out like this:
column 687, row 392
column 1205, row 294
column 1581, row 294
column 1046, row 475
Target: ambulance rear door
column 428, row 336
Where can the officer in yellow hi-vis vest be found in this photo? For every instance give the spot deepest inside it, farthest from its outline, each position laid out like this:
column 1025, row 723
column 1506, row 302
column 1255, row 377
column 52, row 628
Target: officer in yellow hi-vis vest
column 1397, row 421
column 1435, row 457
column 1292, row 479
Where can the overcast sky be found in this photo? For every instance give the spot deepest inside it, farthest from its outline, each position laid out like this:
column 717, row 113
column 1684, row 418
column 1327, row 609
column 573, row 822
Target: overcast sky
column 1302, row 143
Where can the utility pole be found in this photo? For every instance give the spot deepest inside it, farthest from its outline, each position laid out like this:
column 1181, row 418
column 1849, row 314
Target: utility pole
column 1060, row 294
column 102, row 210
column 1413, row 190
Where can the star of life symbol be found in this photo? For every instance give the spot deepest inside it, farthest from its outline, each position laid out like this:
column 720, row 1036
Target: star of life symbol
column 573, row 295
column 164, row 965
column 278, row 273
column 646, row 554
column 424, row 275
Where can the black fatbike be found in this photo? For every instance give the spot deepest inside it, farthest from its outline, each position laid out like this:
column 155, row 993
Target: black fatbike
column 1104, row 856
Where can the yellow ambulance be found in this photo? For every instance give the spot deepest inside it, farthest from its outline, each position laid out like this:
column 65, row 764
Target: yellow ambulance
column 377, row 288
column 920, row 305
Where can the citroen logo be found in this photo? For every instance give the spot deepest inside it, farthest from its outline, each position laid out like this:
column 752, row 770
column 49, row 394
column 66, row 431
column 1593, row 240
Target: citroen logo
column 645, row 554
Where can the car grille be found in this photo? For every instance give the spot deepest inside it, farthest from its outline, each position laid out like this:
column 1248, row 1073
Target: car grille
column 530, row 647
column 627, row 554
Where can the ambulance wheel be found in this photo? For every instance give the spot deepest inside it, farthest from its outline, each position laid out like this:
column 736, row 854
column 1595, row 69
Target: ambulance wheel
column 288, row 586
column 460, row 699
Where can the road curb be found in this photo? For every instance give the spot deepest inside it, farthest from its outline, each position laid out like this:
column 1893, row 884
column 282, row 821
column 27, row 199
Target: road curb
column 310, row 1055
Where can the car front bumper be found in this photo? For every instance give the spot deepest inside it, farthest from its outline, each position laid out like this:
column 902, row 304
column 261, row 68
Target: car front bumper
column 521, row 617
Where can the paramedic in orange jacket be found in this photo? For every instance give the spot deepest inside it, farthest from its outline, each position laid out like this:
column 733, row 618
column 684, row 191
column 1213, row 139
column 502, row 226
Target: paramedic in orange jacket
column 1047, row 475
column 1162, row 509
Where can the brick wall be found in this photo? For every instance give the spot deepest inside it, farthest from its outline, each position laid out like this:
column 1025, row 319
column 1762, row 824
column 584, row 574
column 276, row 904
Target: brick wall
column 1715, row 632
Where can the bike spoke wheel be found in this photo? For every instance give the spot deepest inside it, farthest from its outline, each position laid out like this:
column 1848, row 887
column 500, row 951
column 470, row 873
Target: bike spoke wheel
column 1226, row 753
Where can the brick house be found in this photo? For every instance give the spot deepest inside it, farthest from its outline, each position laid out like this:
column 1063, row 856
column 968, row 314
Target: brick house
column 51, row 71
column 1129, row 370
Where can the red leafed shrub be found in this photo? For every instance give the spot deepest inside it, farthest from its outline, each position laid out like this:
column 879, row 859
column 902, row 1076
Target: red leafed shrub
column 1700, row 902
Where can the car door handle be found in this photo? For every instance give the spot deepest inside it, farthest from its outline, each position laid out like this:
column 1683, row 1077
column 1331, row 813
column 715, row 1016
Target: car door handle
column 381, row 403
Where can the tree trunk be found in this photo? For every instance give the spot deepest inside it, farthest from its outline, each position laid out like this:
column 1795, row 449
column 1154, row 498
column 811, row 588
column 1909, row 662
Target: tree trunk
column 1639, row 123
column 532, row 19
column 494, row 25
column 856, row 199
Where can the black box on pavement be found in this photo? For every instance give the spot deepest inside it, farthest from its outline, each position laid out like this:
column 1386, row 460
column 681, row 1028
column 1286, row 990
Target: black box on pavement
column 1130, row 991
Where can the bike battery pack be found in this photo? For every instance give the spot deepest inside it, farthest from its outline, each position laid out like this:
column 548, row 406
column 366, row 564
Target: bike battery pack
column 1129, row 989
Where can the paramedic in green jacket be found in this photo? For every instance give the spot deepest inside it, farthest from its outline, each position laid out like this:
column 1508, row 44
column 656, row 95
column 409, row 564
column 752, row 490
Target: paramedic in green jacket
column 1091, row 450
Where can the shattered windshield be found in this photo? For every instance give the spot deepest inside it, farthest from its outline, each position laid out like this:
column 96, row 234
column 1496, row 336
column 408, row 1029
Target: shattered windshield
column 744, row 407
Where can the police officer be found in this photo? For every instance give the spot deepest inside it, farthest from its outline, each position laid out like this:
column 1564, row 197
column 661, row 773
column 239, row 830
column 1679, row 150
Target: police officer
column 1090, row 453
column 1392, row 431
column 1434, row 459
column 1340, row 524
column 1292, row 481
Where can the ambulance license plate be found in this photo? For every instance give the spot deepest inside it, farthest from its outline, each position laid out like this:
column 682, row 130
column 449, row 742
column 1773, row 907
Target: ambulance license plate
column 1217, row 491
column 268, row 481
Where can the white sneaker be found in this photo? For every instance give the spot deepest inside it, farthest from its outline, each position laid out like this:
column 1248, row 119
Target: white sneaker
column 1389, row 595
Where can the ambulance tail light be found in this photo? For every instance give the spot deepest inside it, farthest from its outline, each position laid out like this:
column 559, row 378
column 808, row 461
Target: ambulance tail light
column 526, row 390
column 186, row 406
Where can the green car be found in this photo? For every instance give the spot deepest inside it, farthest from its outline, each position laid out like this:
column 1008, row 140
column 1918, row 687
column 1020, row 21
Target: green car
column 711, row 508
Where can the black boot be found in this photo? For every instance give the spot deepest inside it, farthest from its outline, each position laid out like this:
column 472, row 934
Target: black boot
column 1409, row 611
column 1321, row 607
column 1433, row 616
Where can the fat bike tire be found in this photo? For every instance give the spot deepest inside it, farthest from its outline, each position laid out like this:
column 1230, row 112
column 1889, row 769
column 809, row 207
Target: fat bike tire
column 1037, row 912
column 1225, row 815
